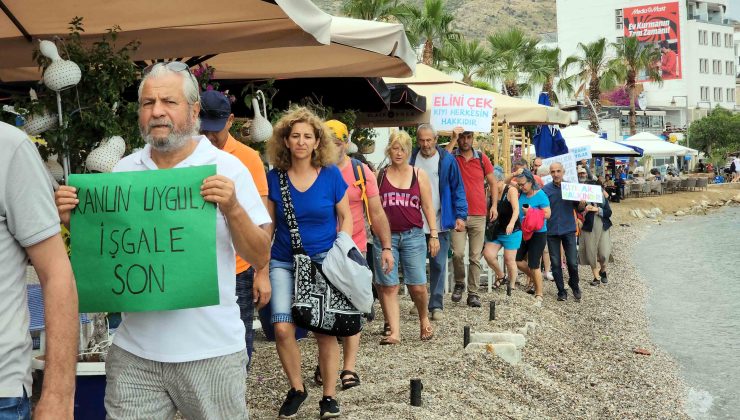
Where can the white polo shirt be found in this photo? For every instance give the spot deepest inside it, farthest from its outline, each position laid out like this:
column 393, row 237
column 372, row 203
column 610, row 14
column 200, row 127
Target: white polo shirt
column 200, row 333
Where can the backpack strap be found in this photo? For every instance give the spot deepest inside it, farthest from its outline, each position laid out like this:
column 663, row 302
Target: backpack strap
column 360, row 182
column 295, row 235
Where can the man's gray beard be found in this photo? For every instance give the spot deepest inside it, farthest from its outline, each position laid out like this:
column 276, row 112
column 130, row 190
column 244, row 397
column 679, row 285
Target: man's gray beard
column 174, row 141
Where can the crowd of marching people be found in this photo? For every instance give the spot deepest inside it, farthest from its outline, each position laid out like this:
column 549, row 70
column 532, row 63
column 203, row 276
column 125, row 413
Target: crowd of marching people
column 427, row 201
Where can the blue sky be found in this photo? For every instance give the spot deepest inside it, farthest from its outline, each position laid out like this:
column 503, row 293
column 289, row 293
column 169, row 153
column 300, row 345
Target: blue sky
column 733, row 9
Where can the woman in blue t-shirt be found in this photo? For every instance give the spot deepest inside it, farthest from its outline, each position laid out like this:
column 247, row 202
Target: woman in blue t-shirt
column 531, row 197
column 302, row 145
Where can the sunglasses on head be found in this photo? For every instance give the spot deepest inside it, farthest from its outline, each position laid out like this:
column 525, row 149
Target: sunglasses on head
column 171, row 65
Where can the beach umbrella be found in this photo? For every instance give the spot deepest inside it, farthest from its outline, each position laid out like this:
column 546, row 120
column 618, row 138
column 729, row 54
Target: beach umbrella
column 577, row 136
column 548, row 141
column 165, row 28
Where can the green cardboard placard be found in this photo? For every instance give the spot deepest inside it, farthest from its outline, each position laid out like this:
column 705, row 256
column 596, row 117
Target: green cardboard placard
column 144, row 241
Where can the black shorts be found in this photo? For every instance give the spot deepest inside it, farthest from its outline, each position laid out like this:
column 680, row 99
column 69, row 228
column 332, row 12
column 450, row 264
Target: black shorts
column 532, row 249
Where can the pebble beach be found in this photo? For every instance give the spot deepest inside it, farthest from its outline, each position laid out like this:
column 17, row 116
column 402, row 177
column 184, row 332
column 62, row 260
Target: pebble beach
column 579, row 361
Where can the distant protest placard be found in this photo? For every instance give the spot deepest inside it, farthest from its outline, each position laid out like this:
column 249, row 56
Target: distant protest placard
column 472, row 112
column 582, row 192
column 580, row 153
column 144, row 241
column 569, row 164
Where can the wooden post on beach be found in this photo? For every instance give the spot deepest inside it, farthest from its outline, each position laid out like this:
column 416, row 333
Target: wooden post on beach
column 416, row 387
column 495, row 139
column 492, row 311
column 506, row 148
column 466, row 336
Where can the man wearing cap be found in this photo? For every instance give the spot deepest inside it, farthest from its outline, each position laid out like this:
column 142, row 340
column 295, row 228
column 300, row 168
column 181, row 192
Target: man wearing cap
column 215, row 122
column 561, row 230
column 582, row 175
column 476, row 170
column 450, row 205
column 364, row 198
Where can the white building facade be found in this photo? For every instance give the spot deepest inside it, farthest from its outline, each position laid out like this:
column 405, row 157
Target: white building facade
column 699, row 35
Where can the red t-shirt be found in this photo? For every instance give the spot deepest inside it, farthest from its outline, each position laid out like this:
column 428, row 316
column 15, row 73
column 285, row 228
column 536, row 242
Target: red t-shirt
column 474, row 179
column 356, row 204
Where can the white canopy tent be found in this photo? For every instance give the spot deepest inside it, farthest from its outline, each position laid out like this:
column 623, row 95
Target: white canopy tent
column 654, row 146
column 577, row 136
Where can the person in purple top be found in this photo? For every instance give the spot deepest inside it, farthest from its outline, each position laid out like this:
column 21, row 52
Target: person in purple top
column 405, row 192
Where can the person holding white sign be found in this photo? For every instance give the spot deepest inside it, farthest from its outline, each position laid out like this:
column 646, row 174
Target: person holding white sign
column 595, row 243
column 562, row 231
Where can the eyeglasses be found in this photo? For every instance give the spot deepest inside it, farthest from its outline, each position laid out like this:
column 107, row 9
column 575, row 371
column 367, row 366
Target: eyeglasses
column 174, row 66
column 521, row 184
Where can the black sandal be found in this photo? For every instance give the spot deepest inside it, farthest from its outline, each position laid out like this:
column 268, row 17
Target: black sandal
column 352, row 379
column 499, row 282
column 317, row 376
column 386, row 329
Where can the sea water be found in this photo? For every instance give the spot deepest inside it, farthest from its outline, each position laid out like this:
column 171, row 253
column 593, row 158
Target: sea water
column 692, row 268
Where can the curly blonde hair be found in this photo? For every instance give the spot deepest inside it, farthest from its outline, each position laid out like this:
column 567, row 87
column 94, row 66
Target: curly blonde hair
column 278, row 153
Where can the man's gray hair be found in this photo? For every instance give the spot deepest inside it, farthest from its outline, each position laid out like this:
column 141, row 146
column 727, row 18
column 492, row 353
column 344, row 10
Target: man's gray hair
column 189, row 84
column 427, row 126
column 521, row 162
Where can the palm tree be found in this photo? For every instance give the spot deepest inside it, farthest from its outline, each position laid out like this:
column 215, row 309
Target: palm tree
column 553, row 76
column 431, row 24
column 599, row 71
column 513, row 60
column 635, row 59
column 468, row 58
column 381, row 10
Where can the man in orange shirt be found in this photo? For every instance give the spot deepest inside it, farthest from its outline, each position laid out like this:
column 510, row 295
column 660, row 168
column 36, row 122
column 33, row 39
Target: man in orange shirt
column 215, row 121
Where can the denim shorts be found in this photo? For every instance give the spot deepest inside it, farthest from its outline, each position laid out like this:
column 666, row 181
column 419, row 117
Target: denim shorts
column 409, row 249
column 15, row 408
column 281, row 280
column 509, row 242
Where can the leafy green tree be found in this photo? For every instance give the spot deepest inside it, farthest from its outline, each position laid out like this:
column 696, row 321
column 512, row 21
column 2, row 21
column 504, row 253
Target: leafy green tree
column 430, row 24
column 380, row 10
column 634, row 59
column 555, row 78
column 513, row 61
column 720, row 129
column 468, row 58
column 597, row 71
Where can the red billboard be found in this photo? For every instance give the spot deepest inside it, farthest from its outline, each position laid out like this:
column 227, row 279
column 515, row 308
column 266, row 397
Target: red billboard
column 657, row 24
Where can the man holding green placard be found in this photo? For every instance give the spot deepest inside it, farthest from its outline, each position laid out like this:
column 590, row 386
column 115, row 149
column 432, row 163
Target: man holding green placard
column 188, row 360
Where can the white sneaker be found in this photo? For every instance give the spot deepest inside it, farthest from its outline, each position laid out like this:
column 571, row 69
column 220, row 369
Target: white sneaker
column 538, row 302
column 549, row 276
column 413, row 310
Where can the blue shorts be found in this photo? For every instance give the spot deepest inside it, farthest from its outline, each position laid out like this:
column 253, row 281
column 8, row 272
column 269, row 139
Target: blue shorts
column 409, row 249
column 509, row 242
column 281, row 281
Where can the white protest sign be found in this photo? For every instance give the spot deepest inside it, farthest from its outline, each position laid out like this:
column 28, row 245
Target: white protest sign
column 569, row 164
column 546, row 179
column 580, row 153
column 472, row 112
column 582, row 192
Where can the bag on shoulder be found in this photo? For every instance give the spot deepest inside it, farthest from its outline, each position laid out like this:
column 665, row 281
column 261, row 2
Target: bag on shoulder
column 317, row 304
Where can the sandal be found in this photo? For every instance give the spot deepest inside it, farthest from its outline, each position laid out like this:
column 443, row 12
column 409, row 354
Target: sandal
column 389, row 340
column 427, row 333
column 498, row 282
column 317, row 376
column 349, row 379
column 386, row 329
